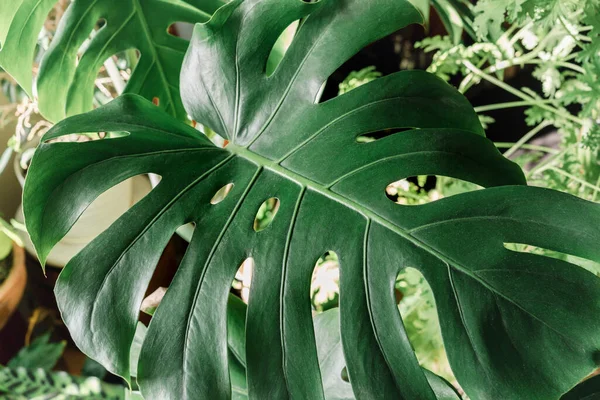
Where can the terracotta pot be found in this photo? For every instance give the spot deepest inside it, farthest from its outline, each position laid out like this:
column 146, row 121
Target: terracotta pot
column 12, row 289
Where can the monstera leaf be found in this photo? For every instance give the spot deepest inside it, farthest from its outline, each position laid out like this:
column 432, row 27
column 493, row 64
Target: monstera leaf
column 65, row 84
column 515, row 325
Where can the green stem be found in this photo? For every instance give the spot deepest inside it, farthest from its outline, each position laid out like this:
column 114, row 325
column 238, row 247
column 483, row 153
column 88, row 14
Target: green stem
column 569, row 32
column 525, row 139
column 563, row 64
column 547, row 163
column 510, row 104
column 507, row 145
column 574, row 178
column 520, row 94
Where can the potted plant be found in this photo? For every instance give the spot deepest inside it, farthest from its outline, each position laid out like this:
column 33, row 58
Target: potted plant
column 506, row 315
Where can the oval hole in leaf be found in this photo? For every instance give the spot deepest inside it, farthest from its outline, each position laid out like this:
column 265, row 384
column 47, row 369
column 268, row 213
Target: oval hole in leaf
column 344, row 375
column 243, row 279
column 324, row 286
column 343, row 81
column 164, row 273
column 423, row 189
column 280, row 48
column 374, row 136
column 221, row 194
column 584, row 263
column 416, row 305
column 181, row 30
column 100, row 23
column 266, row 214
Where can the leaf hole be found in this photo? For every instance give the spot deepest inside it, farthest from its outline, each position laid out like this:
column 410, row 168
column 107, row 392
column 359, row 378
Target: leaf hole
column 591, row 266
column 416, row 305
column 180, row 29
column 374, row 136
column 281, row 46
column 221, row 194
column 347, row 77
column 325, row 282
column 423, row 189
column 166, row 268
column 113, row 73
column 83, row 137
column 344, row 375
column 266, row 214
column 156, row 101
column 243, row 279
column 100, row 24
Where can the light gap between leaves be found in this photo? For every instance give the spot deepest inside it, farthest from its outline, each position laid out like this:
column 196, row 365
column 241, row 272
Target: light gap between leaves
column 280, row 48
column 424, row 189
column 182, row 30
column 416, row 305
column 163, row 275
column 592, row 266
column 378, row 135
column 266, row 214
column 221, row 194
column 325, row 281
column 243, row 279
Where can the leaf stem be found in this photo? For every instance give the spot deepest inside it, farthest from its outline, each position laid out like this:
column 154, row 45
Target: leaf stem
column 510, row 104
column 520, row 94
column 507, row 145
column 547, row 163
column 526, row 138
column 575, row 178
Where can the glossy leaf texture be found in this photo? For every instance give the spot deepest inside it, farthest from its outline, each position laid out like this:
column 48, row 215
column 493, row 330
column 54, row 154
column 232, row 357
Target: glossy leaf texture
column 66, row 80
column 515, row 325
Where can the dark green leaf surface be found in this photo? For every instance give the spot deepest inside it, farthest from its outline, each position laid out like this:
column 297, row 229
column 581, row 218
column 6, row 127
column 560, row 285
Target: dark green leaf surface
column 65, row 84
column 515, row 325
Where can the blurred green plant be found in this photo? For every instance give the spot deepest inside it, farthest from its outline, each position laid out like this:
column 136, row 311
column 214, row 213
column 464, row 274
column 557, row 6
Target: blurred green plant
column 558, row 43
column 28, row 376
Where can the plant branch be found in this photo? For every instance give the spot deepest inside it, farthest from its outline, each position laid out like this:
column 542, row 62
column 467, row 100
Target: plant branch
column 525, row 138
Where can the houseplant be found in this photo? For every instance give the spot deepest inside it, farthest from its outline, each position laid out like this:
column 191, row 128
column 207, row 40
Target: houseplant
column 506, row 316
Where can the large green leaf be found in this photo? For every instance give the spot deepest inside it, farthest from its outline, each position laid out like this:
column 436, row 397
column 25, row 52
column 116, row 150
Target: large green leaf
column 65, row 84
column 515, row 325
